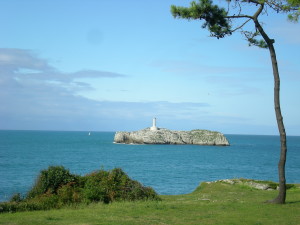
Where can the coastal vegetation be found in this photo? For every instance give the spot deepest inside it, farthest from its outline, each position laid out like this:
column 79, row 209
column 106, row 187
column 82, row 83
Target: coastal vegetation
column 56, row 187
column 221, row 202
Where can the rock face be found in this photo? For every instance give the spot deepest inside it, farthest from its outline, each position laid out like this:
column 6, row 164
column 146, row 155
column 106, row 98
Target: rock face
column 256, row 184
column 165, row 136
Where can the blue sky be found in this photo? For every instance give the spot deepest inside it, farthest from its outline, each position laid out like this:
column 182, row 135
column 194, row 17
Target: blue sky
column 114, row 65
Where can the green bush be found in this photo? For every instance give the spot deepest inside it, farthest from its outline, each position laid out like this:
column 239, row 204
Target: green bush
column 16, row 198
column 50, row 180
column 94, row 189
column 115, row 185
column 135, row 191
column 56, row 187
column 47, row 201
column 69, row 194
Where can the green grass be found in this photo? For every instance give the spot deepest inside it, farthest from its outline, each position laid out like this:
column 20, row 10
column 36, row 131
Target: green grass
column 213, row 203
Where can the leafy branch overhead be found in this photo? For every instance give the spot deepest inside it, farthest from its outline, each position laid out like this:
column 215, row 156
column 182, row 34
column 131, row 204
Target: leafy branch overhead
column 215, row 17
column 222, row 22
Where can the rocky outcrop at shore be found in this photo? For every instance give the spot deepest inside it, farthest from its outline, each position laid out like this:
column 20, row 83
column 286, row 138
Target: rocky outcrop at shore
column 165, row 136
column 256, row 184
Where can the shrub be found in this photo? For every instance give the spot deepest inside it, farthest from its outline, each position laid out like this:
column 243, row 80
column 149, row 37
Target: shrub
column 69, row 194
column 47, row 201
column 135, row 191
column 56, row 187
column 16, row 198
column 50, row 180
column 94, row 189
column 115, row 185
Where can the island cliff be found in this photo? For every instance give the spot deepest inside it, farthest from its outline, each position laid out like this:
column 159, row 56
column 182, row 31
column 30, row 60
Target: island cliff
column 165, row 136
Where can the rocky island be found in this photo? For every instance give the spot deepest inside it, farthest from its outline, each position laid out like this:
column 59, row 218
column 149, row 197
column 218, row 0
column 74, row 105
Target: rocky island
column 155, row 135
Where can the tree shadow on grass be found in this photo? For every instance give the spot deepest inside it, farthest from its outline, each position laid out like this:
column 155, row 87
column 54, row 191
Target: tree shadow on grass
column 292, row 202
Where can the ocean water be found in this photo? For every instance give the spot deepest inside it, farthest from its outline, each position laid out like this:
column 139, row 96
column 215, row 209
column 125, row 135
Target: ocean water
column 169, row 169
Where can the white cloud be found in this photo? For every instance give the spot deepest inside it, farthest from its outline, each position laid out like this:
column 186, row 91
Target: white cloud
column 35, row 95
column 21, row 59
column 23, row 67
column 95, row 74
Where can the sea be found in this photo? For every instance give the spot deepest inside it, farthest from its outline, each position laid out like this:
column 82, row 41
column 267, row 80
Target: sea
column 169, row 169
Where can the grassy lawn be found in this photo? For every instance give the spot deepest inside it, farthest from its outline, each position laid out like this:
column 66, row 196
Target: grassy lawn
column 213, row 203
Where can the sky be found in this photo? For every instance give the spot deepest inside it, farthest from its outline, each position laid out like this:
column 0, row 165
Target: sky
column 99, row 65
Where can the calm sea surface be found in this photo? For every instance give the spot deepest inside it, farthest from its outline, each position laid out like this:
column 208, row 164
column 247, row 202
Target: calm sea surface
column 169, row 169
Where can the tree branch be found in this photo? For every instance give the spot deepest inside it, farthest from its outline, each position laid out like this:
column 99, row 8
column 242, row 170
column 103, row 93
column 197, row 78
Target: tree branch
column 241, row 25
column 253, row 1
column 238, row 16
column 258, row 12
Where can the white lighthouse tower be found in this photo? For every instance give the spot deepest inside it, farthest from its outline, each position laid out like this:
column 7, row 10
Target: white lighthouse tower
column 154, row 127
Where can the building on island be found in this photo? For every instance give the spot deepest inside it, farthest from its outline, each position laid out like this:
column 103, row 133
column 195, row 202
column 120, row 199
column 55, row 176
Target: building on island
column 154, row 127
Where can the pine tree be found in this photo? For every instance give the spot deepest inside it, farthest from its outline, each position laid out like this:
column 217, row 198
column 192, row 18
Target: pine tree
column 220, row 23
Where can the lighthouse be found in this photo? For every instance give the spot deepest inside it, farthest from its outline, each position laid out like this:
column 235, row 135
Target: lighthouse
column 154, row 127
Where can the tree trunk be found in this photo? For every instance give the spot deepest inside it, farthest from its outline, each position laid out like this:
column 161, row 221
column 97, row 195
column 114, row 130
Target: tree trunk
column 280, row 199
column 281, row 165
